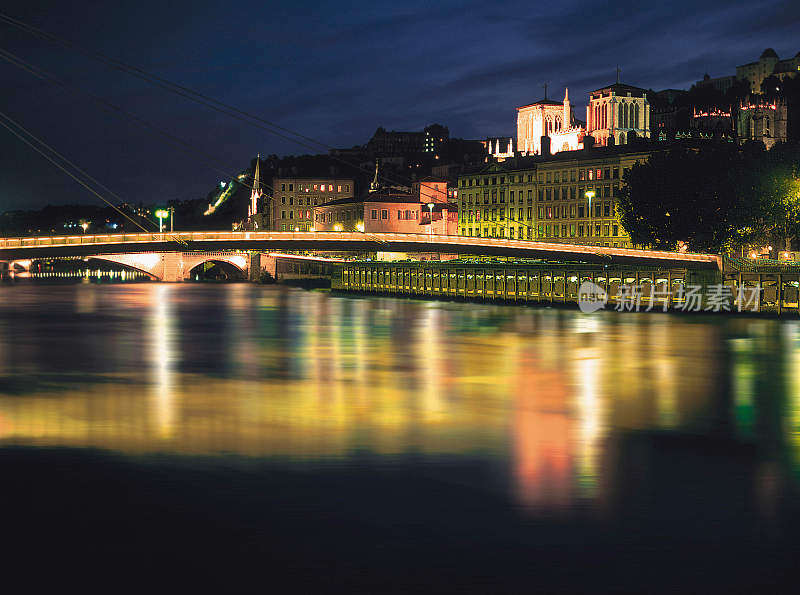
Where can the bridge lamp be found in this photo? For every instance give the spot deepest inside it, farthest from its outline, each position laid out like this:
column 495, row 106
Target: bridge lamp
column 360, row 226
column 430, row 208
column 161, row 214
column 84, row 226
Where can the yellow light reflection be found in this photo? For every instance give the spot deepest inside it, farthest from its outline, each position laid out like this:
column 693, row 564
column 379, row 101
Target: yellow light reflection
column 162, row 359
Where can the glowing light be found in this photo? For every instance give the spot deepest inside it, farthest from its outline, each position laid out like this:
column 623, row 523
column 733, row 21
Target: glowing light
column 360, row 226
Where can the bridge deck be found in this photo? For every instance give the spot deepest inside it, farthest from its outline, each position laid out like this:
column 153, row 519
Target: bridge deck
column 85, row 245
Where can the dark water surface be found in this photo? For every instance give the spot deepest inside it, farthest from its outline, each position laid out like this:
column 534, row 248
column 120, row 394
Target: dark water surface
column 242, row 437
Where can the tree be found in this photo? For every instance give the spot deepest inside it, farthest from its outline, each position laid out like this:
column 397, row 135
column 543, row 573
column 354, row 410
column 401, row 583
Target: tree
column 716, row 199
column 681, row 195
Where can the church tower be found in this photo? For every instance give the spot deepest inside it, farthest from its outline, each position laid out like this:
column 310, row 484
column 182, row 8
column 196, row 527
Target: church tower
column 617, row 114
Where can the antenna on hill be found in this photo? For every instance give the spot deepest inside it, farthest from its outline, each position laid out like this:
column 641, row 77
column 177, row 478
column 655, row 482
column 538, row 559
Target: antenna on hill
column 618, row 71
column 545, row 88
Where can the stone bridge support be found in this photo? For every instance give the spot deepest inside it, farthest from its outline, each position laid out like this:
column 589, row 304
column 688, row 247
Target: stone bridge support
column 173, row 267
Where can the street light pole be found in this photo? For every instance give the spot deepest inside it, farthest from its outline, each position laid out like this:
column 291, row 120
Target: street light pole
column 171, row 216
column 430, row 208
column 590, row 195
column 161, row 214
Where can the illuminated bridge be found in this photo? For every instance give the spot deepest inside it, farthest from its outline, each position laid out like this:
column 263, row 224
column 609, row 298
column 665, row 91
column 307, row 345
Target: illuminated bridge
column 170, row 256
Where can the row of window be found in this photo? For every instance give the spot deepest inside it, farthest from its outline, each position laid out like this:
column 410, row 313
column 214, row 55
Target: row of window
column 296, row 227
column 573, row 230
column 300, row 201
column 556, row 177
column 316, row 187
column 332, row 216
column 573, row 211
column 300, row 214
column 543, row 194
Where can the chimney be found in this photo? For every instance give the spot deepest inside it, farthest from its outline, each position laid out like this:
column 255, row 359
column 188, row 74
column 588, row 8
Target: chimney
column 588, row 142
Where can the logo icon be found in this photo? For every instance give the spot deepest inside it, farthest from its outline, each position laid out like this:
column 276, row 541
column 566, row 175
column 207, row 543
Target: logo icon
column 591, row 297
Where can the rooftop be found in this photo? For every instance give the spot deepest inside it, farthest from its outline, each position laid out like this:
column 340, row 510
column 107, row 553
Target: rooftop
column 620, row 88
column 530, row 162
column 542, row 102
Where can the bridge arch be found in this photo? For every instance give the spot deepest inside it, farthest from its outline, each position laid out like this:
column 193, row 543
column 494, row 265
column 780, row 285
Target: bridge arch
column 235, row 261
column 219, row 268
column 149, row 264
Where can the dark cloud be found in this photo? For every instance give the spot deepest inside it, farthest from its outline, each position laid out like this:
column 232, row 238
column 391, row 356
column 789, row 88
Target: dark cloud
column 335, row 72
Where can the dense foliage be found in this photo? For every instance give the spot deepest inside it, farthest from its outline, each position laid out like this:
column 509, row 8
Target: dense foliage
column 719, row 198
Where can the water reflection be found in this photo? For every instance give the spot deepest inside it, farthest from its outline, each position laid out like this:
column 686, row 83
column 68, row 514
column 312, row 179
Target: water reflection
column 545, row 397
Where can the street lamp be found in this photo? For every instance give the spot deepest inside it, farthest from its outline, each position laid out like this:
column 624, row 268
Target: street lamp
column 589, row 194
column 161, row 214
column 430, row 208
column 85, row 226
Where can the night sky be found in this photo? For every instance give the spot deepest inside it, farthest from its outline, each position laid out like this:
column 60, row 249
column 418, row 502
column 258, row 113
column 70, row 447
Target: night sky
column 335, row 72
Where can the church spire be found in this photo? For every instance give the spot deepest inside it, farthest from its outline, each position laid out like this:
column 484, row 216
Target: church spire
column 375, row 185
column 256, row 184
column 256, row 193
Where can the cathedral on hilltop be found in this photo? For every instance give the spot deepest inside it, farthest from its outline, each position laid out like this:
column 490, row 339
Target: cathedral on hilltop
column 616, row 115
column 548, row 118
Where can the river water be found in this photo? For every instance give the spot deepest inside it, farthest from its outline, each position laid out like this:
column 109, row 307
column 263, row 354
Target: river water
column 221, row 434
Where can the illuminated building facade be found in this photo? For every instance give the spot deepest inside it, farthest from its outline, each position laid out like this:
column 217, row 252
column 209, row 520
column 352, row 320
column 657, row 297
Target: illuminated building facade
column 713, row 121
column 294, row 200
column 545, row 198
column 618, row 113
column 550, row 118
column 764, row 121
column 387, row 211
column 768, row 64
